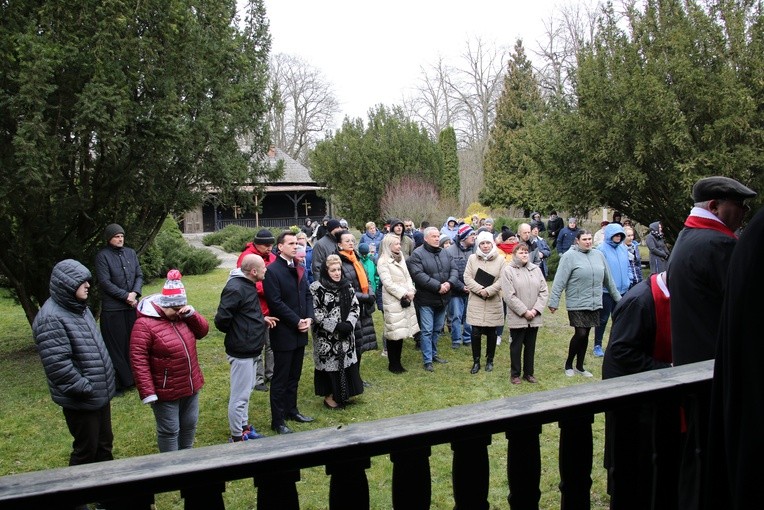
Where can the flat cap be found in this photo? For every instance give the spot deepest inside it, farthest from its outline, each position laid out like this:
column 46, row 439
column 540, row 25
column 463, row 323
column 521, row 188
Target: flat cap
column 720, row 188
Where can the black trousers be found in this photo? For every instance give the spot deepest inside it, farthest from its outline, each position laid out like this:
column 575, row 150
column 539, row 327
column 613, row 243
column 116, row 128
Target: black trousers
column 116, row 326
column 287, row 369
column 93, row 438
column 523, row 346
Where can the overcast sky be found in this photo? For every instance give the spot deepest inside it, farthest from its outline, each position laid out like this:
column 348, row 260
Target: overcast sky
column 372, row 52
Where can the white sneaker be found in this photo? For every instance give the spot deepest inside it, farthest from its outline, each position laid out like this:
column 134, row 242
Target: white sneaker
column 569, row 372
column 585, row 373
column 498, row 341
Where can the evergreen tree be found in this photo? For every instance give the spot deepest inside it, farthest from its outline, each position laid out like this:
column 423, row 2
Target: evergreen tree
column 666, row 98
column 120, row 112
column 357, row 163
column 450, row 185
column 512, row 176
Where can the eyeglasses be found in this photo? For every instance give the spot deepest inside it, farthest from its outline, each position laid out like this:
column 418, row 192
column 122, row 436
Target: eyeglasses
column 740, row 204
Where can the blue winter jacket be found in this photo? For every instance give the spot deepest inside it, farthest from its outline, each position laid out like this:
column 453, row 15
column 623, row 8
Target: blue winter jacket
column 617, row 257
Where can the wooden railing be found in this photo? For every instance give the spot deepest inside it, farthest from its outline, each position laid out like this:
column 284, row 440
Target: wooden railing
column 275, row 462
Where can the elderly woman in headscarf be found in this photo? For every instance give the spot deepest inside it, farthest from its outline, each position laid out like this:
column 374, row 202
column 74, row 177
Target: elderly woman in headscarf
column 336, row 310
column 484, row 308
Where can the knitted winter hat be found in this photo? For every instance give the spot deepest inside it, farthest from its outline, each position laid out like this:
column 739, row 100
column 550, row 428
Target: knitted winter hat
column 264, row 237
column 484, row 236
column 443, row 239
column 363, row 249
column 332, row 224
column 173, row 293
column 112, row 230
column 464, row 231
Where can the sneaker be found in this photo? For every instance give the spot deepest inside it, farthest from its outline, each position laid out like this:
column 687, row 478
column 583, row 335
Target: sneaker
column 383, row 354
column 498, row 341
column 428, row 367
column 438, row 359
column 250, row 432
column 261, row 387
column 569, row 372
column 516, row 380
column 584, row 372
column 598, row 351
column 237, row 439
column 455, row 346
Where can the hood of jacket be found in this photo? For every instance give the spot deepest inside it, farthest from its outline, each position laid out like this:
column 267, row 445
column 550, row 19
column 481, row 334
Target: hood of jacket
column 65, row 279
column 451, row 218
column 612, row 229
column 146, row 307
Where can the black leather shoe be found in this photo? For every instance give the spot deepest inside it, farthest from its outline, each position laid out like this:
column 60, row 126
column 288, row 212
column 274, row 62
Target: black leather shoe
column 438, row 359
column 281, row 429
column 428, row 367
column 300, row 418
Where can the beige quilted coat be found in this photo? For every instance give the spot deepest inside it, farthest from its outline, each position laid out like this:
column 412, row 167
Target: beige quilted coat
column 523, row 287
column 400, row 322
column 484, row 312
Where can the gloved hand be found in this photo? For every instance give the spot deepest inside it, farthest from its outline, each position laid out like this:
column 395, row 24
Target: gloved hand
column 343, row 328
column 370, row 299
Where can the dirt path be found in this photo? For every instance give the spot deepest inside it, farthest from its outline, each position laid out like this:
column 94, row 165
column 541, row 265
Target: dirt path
column 227, row 260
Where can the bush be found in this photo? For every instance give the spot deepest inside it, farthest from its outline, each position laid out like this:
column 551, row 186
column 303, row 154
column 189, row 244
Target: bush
column 232, row 239
column 170, row 251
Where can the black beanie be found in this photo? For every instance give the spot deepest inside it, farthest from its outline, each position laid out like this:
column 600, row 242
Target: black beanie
column 264, row 237
column 332, row 224
column 112, row 230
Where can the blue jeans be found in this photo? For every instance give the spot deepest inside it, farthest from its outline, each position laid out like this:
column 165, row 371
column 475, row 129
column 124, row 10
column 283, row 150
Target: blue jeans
column 176, row 422
column 608, row 305
column 461, row 332
column 431, row 321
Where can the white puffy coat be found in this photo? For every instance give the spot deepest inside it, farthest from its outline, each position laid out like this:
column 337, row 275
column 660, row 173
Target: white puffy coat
column 400, row 322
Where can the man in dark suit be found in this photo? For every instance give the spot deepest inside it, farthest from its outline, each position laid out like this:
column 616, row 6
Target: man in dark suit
column 289, row 300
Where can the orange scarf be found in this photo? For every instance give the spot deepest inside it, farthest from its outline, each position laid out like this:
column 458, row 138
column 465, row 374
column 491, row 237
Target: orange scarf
column 363, row 280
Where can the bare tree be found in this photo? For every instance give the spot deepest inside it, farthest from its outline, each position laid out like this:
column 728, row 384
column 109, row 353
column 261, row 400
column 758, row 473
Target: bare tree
column 475, row 87
column 567, row 31
column 430, row 104
column 304, row 105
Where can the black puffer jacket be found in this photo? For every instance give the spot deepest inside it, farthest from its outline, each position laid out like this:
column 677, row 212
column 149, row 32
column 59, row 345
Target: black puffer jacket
column 365, row 335
column 429, row 268
column 76, row 362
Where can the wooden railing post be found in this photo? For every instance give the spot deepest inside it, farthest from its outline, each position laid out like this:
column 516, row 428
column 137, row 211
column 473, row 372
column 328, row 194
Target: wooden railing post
column 204, row 497
column 576, row 463
column 412, row 484
column 470, row 473
column 277, row 490
column 348, row 486
column 524, row 468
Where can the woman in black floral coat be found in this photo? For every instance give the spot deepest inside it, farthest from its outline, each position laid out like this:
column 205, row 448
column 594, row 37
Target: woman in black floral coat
column 336, row 311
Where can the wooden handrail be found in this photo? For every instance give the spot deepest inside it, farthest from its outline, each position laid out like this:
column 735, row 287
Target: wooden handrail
column 349, row 445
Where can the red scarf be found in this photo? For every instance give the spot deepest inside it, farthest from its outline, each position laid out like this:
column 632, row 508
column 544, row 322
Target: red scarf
column 707, row 223
column 662, row 346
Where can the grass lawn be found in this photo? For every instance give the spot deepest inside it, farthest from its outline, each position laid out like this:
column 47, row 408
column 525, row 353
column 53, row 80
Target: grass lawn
column 33, row 434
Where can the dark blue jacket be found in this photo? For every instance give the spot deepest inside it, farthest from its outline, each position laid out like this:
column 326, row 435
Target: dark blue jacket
column 289, row 300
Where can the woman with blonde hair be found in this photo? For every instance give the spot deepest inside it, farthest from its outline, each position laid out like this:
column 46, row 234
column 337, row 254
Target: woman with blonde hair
column 397, row 298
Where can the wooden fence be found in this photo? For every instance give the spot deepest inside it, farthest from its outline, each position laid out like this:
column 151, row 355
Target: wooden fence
column 275, row 462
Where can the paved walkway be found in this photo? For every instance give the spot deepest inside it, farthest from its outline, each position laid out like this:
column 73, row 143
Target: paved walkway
column 227, row 260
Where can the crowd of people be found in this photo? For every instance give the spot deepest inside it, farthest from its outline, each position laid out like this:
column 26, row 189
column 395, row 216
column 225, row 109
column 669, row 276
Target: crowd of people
column 323, row 283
